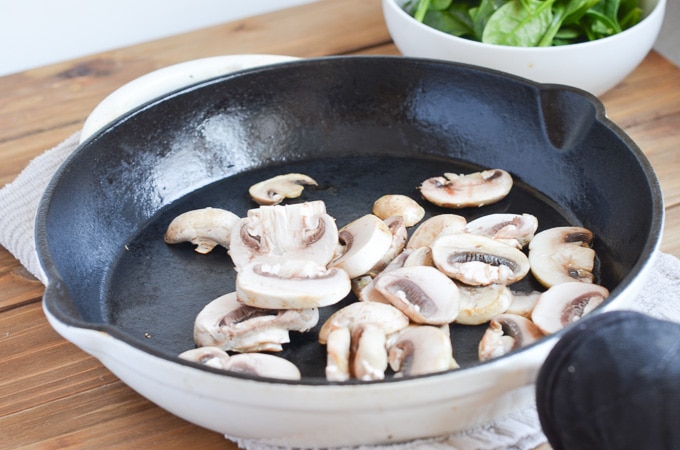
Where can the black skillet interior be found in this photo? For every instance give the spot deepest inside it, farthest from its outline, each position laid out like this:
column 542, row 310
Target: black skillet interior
column 362, row 127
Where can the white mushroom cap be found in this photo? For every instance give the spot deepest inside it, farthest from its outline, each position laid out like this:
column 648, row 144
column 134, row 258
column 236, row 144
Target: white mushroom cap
column 423, row 293
column 337, row 354
column 369, row 293
column 205, row 228
column 507, row 332
column 419, row 350
column 368, row 355
column 231, row 325
column 274, row 190
column 514, row 229
column 428, row 231
column 387, row 316
column 478, row 260
column 298, row 231
column 399, row 205
column 421, row 256
column 479, row 304
column 523, row 303
column 399, row 236
column 263, row 365
column 210, row 356
column 291, row 284
column 562, row 254
column 461, row 191
column 565, row 303
column 366, row 240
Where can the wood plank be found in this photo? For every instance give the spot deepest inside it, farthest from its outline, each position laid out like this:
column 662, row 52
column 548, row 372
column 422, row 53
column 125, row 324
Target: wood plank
column 670, row 243
column 39, row 366
column 110, row 416
column 19, row 287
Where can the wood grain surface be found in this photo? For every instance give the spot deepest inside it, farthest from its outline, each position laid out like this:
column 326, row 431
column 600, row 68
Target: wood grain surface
column 52, row 395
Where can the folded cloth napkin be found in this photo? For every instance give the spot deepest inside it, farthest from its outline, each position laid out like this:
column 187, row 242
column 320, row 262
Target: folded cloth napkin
column 519, row 430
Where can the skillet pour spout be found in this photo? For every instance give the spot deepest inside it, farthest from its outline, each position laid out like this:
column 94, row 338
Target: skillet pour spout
column 362, row 127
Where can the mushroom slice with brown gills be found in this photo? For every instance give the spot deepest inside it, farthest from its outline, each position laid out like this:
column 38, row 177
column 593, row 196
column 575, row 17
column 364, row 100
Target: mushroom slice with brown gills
column 390, row 318
column 368, row 292
column 230, row 325
column 210, row 356
column 364, row 242
column 513, row 229
column 427, row 232
column 562, row 254
column 423, row 293
column 355, row 338
column 462, row 191
column 368, row 352
column 290, row 284
column 274, row 190
column 566, row 303
column 479, row 304
column 206, row 228
column 299, row 231
column 420, row 350
column 507, row 332
column 263, row 365
column 479, row 260
column 399, row 236
column 399, row 205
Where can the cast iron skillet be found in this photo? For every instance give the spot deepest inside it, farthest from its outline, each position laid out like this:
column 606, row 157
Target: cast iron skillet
column 362, row 127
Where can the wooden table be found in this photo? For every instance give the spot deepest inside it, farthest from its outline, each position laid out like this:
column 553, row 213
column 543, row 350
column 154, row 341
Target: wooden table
column 52, row 395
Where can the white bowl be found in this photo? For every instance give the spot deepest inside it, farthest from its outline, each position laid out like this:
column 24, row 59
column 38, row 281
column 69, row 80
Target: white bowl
column 595, row 66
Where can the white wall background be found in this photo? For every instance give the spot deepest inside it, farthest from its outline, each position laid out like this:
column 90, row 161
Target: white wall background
column 39, row 32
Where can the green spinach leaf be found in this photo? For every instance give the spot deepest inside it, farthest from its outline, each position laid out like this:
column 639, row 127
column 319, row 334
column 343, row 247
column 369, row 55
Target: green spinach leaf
column 520, row 23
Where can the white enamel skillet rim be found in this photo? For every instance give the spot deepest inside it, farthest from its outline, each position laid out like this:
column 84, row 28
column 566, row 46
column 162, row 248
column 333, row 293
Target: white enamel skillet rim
column 369, row 412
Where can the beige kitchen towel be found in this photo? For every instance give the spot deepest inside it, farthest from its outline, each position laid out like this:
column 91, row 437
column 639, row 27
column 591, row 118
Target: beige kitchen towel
column 519, row 430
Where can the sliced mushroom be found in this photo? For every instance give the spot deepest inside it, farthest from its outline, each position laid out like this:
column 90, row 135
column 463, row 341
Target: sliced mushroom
column 369, row 293
column 210, row 356
column 461, row 191
column 479, row 260
column 338, row 347
column 399, row 205
column 298, row 231
column 421, row 256
column 399, row 236
column 274, row 190
column 360, row 283
column 228, row 324
column 419, row 350
column 562, row 254
column 368, row 325
column 523, row 303
column 565, row 303
column 291, row 284
column 390, row 318
column 364, row 243
column 480, row 304
column 368, row 354
column 428, row 231
column 263, row 365
column 507, row 332
column 423, row 293
column 514, row 229
column 205, row 228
